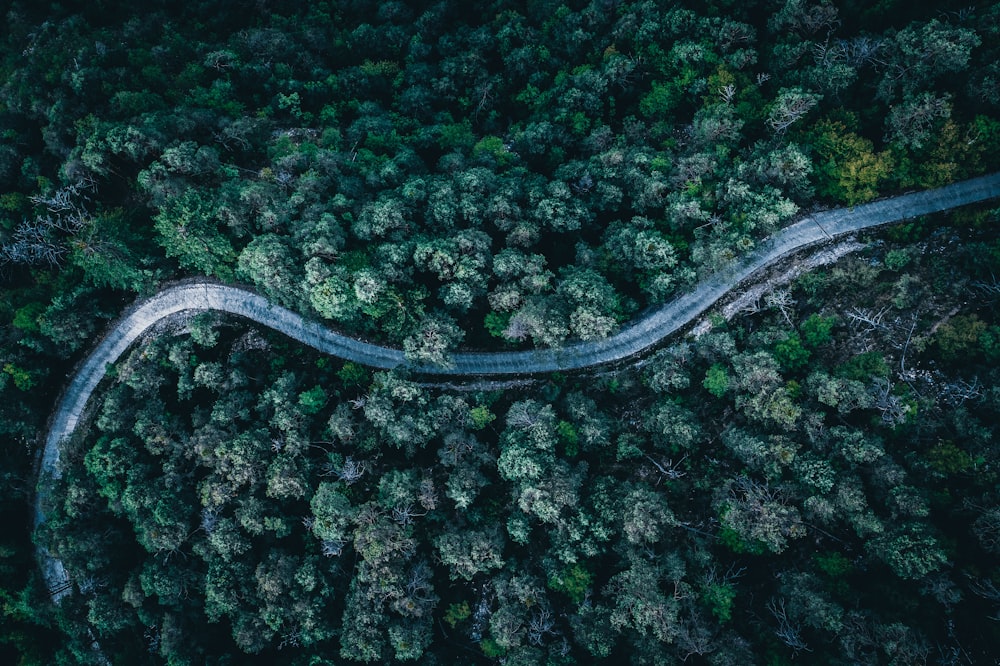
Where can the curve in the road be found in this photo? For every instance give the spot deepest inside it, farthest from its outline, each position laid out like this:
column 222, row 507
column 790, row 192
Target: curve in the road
column 640, row 335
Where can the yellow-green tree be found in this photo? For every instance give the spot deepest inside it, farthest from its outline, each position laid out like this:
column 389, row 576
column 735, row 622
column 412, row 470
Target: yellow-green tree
column 847, row 167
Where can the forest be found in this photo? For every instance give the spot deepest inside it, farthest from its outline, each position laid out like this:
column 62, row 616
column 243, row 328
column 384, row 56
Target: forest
column 811, row 479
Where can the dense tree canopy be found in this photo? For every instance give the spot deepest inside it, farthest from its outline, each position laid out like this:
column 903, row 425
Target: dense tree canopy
column 815, row 478
column 241, row 497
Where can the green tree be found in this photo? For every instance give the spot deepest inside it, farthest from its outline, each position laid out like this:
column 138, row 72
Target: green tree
column 816, row 330
column 330, row 292
column 910, row 551
column 912, row 123
column 922, row 52
column 716, row 380
column 313, row 400
column 269, row 262
column 759, row 514
column 188, row 229
column 640, row 602
column 791, row 105
column 668, row 370
column 431, row 343
column 960, row 336
column 470, row 552
column 574, row 581
column 105, row 251
column 847, row 168
column 791, row 354
column 594, row 302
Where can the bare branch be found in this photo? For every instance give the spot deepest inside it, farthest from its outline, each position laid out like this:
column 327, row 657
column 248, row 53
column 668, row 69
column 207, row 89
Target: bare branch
column 865, row 321
column 957, row 392
column 541, row 624
column 669, row 468
column 727, row 92
column 404, row 515
column 893, row 410
column 787, row 631
column 991, row 288
column 783, row 301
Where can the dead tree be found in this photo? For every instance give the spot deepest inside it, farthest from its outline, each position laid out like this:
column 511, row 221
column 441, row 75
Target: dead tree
column 787, row 631
column 541, row 624
column 893, row 410
column 863, row 321
column 781, row 299
column 42, row 240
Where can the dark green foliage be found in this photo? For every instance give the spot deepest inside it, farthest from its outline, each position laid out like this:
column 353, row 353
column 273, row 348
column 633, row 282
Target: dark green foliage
column 959, row 338
column 719, row 600
column 510, row 523
column 481, row 417
column 833, row 564
column 815, row 330
column 456, row 613
column 436, row 175
column 352, row 374
column 573, row 581
column 864, row 367
column 989, row 341
column 716, row 380
column 188, row 230
column 791, row 354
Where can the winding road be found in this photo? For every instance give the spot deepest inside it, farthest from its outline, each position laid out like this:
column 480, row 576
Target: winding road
column 636, row 337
